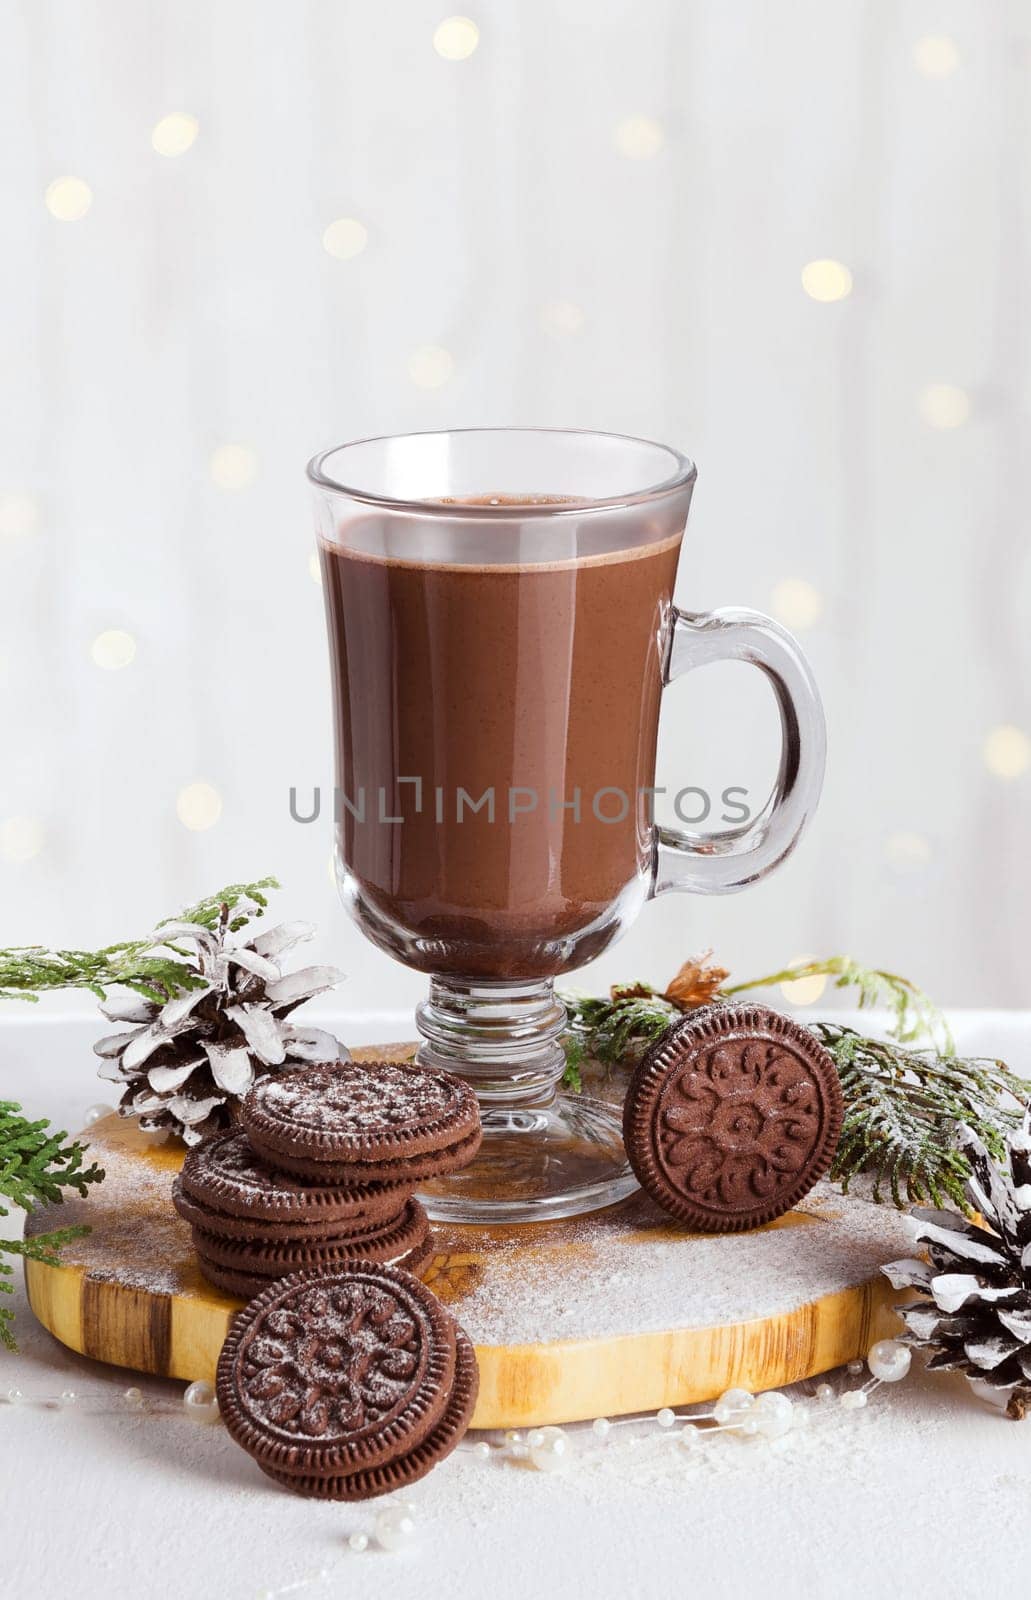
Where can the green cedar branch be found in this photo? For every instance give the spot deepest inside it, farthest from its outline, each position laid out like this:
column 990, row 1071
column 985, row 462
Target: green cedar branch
column 28, row 971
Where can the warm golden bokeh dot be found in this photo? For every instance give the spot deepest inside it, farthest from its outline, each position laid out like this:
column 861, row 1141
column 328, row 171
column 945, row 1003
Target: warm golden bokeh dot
column 68, row 198
column 796, row 603
column 1007, row 751
column 21, row 838
column 638, row 137
column 826, row 280
column 943, row 405
column 430, row 366
column 804, row 991
column 198, row 806
column 936, row 55
column 113, row 649
column 456, row 38
column 562, row 318
column 345, row 238
column 907, row 852
column 174, row 134
column 233, row 466
column 19, row 516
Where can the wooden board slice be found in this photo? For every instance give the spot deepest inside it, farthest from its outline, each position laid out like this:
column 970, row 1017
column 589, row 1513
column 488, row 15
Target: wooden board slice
column 599, row 1316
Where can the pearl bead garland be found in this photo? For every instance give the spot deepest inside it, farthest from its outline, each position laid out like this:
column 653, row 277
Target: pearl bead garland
column 732, row 1404
column 889, row 1361
column 395, row 1527
column 94, row 1113
column 550, row 1449
column 200, row 1402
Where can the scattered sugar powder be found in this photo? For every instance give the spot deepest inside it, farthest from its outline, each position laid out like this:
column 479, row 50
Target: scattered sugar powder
column 630, row 1270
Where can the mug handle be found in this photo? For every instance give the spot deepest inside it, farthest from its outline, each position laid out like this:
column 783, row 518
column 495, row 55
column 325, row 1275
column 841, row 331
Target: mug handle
column 720, row 862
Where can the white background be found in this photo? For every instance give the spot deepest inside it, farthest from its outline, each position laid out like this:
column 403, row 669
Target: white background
column 571, row 282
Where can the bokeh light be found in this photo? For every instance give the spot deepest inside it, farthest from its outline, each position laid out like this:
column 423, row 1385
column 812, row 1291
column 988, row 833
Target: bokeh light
column 68, row 198
column 113, row 649
column 198, row 806
column 345, row 238
column 21, row 838
column 456, row 38
column 638, row 137
column 233, row 466
column 1006, row 751
column 430, row 366
column 943, row 405
column 826, row 280
column 174, row 134
column 796, row 603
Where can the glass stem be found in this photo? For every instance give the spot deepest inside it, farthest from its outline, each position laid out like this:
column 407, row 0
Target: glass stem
column 502, row 1038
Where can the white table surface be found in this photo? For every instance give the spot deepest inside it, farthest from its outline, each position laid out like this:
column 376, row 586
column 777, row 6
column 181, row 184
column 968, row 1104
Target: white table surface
column 925, row 1493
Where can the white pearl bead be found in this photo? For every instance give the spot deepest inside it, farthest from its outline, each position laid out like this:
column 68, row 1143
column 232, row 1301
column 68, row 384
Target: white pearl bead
column 602, row 1427
column 550, row 1449
column 889, row 1360
column 665, row 1418
column 774, row 1413
column 513, row 1436
column 825, row 1391
column 730, row 1404
column 133, row 1397
column 852, row 1400
column 690, row 1438
column 93, row 1114
column 749, row 1427
column 200, row 1403
column 855, row 1367
column 13, row 1396
column 481, row 1450
column 68, row 1397
column 395, row 1528
column 358, row 1542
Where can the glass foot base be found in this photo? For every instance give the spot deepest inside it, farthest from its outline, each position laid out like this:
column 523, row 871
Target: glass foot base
column 537, row 1164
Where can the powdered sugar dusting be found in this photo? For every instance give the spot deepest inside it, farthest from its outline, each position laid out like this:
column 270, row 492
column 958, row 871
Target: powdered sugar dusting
column 631, row 1270
column 358, row 1099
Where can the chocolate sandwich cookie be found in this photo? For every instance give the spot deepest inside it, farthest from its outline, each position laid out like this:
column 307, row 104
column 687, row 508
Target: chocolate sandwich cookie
column 225, row 1174
column 732, row 1116
column 244, row 1285
column 415, row 1463
column 385, row 1242
column 375, row 1121
column 258, row 1230
column 346, row 1383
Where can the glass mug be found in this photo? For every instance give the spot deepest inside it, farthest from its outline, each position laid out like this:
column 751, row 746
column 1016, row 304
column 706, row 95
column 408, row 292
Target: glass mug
column 501, row 627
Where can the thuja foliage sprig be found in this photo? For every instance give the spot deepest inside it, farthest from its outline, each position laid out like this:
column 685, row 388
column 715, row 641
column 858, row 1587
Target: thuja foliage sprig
column 36, row 1168
column 150, row 968
column 914, row 1014
column 903, row 1106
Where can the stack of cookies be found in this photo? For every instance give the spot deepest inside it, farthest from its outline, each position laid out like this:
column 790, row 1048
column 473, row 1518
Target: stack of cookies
column 348, row 1383
column 322, row 1171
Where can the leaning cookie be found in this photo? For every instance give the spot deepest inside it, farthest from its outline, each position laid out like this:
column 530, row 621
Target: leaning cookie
column 346, row 1383
column 732, row 1116
column 373, row 1122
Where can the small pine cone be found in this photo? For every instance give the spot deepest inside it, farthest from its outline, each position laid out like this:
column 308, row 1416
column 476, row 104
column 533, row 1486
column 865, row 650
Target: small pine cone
column 973, row 1308
column 187, row 1063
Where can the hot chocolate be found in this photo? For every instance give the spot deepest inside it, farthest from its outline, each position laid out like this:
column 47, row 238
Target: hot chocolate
column 520, row 702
